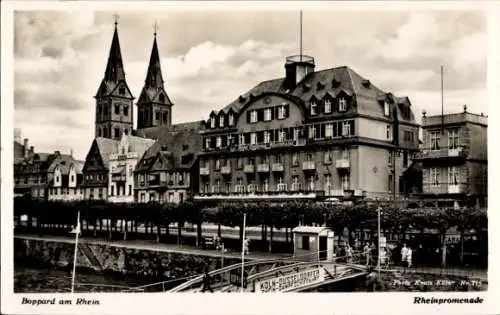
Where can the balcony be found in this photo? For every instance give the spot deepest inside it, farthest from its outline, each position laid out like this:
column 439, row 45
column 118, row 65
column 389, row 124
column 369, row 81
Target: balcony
column 251, row 188
column 445, row 152
column 263, row 168
column 456, row 189
column 296, row 187
column 335, row 192
column 277, row 167
column 225, row 170
column 343, row 163
column 308, row 166
column 249, row 168
column 442, row 189
column 281, row 187
column 204, row 171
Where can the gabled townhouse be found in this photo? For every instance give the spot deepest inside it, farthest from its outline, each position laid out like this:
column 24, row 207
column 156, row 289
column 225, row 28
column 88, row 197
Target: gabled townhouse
column 67, row 178
column 168, row 171
column 96, row 168
column 122, row 164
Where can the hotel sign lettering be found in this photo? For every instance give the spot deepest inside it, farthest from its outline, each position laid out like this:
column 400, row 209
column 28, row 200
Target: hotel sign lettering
column 290, row 282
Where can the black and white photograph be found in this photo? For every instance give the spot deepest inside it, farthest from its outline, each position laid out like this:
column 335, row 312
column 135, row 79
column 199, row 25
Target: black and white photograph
column 156, row 149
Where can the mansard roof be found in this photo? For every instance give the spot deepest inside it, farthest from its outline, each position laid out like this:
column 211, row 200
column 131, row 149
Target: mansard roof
column 334, row 82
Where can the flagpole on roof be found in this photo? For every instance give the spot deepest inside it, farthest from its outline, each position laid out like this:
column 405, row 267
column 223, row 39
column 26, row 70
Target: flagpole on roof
column 300, row 36
column 76, row 230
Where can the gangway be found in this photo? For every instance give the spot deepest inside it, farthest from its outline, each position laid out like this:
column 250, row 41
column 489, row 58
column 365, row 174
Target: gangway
column 276, row 275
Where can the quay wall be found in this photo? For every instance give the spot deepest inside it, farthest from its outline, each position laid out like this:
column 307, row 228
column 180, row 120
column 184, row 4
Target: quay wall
column 103, row 257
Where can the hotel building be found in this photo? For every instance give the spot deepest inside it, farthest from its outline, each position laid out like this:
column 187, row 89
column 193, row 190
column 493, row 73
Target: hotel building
column 312, row 134
column 455, row 158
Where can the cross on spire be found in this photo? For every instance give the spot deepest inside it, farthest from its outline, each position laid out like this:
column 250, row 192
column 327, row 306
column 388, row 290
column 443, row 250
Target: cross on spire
column 116, row 16
column 155, row 27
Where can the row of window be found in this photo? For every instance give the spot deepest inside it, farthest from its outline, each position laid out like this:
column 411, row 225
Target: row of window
column 121, row 192
column 159, row 115
column 330, row 130
column 106, row 132
column 65, row 191
column 105, row 109
column 435, row 176
column 325, row 107
column 327, row 157
column 30, row 179
column 160, row 198
column 311, row 184
column 268, row 114
column 453, row 139
column 176, row 178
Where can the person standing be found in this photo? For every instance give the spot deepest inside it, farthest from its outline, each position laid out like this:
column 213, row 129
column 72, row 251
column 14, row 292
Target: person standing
column 408, row 256
column 247, row 246
column 367, row 253
column 404, row 254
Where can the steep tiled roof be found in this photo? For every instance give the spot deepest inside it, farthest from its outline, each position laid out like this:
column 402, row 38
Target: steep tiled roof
column 319, row 83
column 176, row 147
column 63, row 160
column 106, row 148
column 139, row 145
column 156, row 132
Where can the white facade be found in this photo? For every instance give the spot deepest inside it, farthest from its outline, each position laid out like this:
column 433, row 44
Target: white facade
column 65, row 190
column 121, row 168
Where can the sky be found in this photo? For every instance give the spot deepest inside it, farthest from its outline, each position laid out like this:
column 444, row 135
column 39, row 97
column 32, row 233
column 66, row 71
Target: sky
column 209, row 58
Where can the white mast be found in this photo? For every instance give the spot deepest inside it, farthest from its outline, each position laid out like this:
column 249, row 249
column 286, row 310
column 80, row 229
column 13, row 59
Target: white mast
column 76, row 230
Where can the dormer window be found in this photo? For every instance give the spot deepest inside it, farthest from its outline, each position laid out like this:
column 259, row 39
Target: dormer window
column 267, row 114
column 212, row 122
column 253, row 116
column 342, row 104
column 221, row 121
column 314, row 108
column 231, row 120
column 386, row 109
column 328, row 106
column 281, row 112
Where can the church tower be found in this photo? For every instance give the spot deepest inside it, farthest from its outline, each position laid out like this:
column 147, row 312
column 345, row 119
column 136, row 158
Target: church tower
column 154, row 106
column 114, row 101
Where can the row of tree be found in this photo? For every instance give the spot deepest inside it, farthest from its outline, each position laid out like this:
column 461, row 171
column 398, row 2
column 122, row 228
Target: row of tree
column 361, row 216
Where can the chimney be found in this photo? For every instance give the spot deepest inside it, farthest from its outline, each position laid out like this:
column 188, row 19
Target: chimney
column 71, row 152
column 17, row 135
column 25, row 147
column 32, row 151
column 296, row 69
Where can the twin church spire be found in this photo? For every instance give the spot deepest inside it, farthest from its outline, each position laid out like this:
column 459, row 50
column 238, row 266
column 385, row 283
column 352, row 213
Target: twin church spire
column 114, row 100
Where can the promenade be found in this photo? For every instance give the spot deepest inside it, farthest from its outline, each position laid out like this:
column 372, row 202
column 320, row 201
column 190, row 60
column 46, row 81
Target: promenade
column 472, row 273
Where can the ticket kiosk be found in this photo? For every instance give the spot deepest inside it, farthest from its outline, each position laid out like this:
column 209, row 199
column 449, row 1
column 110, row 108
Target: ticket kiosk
column 313, row 243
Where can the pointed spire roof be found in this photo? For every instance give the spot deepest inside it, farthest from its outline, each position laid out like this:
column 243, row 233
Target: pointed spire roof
column 153, row 77
column 114, row 68
column 153, row 90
